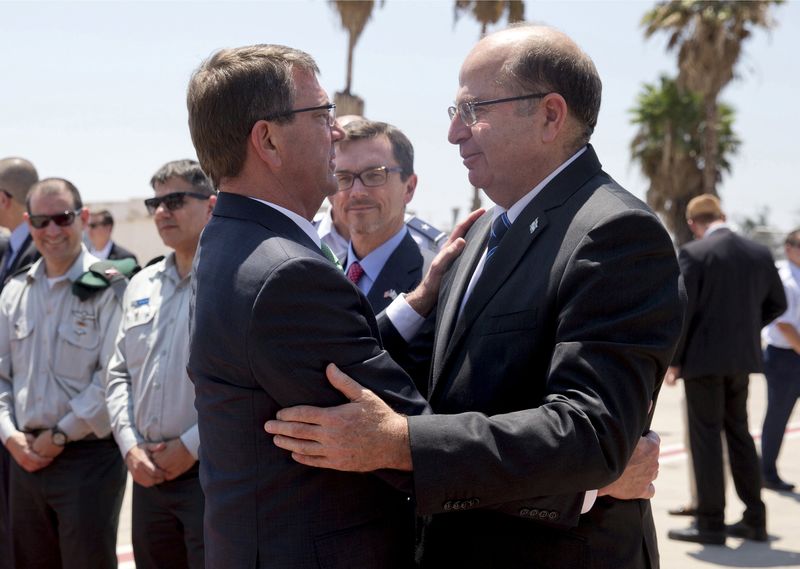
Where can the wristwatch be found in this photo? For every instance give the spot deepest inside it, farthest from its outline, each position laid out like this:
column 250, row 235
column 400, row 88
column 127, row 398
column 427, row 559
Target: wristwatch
column 58, row 437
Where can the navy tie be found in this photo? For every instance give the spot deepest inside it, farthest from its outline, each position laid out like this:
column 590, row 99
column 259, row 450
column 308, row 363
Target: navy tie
column 499, row 227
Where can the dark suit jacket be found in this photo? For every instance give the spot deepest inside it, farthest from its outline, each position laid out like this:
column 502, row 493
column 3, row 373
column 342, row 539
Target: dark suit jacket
column 270, row 312
column 402, row 272
column 734, row 290
column 118, row 252
column 28, row 254
column 547, row 377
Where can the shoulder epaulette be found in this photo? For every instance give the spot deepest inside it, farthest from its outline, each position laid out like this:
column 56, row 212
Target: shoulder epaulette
column 104, row 274
column 426, row 229
column 153, row 261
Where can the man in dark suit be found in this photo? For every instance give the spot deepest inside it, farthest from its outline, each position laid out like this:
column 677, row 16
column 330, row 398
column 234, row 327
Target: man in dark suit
column 101, row 225
column 17, row 175
column 554, row 329
column 734, row 290
column 375, row 173
column 271, row 309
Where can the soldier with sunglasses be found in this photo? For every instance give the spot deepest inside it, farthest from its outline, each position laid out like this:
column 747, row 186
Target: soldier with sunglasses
column 150, row 398
column 67, row 478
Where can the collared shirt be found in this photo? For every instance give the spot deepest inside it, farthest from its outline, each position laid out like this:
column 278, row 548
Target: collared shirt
column 16, row 239
column 374, row 262
column 790, row 276
column 103, row 253
column 714, row 227
column 301, row 222
column 332, row 238
column 53, row 350
column 149, row 394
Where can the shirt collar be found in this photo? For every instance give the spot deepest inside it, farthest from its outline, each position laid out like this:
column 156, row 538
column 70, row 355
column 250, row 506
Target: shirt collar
column 18, row 237
column 80, row 266
column 714, row 227
column 516, row 209
column 374, row 261
column 104, row 252
column 301, row 222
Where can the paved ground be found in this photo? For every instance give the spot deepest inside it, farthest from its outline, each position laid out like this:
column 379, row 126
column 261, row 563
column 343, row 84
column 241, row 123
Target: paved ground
column 783, row 509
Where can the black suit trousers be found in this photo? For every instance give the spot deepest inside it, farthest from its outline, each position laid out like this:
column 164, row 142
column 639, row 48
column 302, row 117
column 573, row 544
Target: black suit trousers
column 65, row 515
column 716, row 405
column 782, row 368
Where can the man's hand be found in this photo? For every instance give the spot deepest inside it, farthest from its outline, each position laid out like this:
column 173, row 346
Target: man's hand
column 143, row 470
column 43, row 445
column 423, row 298
column 637, row 480
column 20, row 446
column 672, row 375
column 172, row 457
column 360, row 436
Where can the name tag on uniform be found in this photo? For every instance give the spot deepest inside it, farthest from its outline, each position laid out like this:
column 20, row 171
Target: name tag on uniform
column 140, row 302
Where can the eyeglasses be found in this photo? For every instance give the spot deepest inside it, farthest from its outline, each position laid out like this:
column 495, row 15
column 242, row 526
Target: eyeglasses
column 466, row 110
column 173, row 201
column 61, row 219
column 794, row 244
column 330, row 107
column 370, row 178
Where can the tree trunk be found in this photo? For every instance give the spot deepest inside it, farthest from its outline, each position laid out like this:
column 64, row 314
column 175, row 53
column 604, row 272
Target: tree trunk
column 351, row 46
column 710, row 146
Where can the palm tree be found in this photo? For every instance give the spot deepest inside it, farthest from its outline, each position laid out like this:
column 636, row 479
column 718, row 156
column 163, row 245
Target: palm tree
column 354, row 15
column 488, row 12
column 708, row 35
column 669, row 148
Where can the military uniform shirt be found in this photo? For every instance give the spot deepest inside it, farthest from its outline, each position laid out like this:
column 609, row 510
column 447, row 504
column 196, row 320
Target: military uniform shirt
column 53, row 351
column 150, row 397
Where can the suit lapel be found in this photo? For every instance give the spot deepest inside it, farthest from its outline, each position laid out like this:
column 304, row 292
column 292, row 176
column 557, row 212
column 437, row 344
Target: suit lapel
column 476, row 243
column 241, row 207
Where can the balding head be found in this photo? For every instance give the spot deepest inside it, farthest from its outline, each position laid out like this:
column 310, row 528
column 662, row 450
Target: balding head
column 539, row 58
column 17, row 175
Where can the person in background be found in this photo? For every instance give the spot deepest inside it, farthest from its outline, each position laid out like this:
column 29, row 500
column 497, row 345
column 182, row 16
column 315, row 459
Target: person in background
column 782, row 366
column 733, row 291
column 101, row 224
column 67, row 477
column 17, row 175
column 150, row 397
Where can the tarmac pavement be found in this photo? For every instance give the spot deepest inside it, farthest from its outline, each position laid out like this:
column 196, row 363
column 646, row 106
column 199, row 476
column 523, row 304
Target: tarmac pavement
column 672, row 489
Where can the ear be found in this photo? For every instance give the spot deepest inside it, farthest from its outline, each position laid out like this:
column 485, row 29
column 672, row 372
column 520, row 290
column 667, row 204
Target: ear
column 555, row 116
column 411, row 186
column 84, row 215
column 262, row 141
column 212, row 201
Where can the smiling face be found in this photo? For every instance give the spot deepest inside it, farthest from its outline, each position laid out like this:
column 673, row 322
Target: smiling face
column 375, row 211
column 180, row 229
column 58, row 245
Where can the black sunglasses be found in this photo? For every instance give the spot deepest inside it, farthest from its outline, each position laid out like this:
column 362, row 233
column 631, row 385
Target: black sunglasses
column 172, row 202
column 61, row 219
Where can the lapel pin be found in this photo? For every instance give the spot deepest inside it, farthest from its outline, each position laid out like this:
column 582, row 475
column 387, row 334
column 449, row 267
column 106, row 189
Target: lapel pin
column 534, row 225
column 391, row 293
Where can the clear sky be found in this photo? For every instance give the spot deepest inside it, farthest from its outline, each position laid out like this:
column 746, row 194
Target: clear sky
column 95, row 91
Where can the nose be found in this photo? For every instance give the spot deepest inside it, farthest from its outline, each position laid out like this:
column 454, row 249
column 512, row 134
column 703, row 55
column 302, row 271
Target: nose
column 458, row 131
column 337, row 133
column 358, row 188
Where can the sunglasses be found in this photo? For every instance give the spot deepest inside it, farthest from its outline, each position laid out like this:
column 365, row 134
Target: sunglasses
column 61, row 219
column 173, row 201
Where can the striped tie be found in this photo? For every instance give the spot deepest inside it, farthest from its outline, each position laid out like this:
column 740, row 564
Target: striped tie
column 499, row 227
column 329, row 255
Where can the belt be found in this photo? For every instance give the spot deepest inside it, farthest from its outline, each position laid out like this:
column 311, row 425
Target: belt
column 89, row 437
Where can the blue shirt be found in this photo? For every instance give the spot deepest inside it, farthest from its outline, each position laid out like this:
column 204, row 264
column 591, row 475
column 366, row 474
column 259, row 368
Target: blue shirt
column 373, row 263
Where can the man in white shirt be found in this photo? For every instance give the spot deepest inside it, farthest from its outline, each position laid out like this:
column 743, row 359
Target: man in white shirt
column 67, row 478
column 150, row 397
column 782, row 366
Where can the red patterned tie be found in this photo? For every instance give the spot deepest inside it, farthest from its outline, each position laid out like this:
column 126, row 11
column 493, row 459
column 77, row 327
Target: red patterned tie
column 354, row 272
